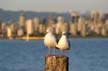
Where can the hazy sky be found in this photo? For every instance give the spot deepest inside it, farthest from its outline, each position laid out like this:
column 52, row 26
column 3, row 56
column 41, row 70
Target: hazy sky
column 55, row 5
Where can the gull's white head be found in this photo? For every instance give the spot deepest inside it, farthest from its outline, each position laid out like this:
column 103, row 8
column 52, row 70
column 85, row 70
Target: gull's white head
column 64, row 33
column 50, row 29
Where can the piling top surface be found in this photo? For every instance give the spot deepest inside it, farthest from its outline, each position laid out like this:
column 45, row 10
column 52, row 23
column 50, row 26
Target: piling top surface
column 51, row 55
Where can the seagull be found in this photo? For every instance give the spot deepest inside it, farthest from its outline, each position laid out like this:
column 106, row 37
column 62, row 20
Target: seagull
column 63, row 43
column 50, row 40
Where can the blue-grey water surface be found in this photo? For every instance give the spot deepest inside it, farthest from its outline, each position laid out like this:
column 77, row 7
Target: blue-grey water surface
column 84, row 55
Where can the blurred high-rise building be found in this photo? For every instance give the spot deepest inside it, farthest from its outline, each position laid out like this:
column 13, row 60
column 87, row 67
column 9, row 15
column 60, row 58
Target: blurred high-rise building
column 96, row 29
column 59, row 25
column 106, row 25
column 103, row 31
column 21, row 20
column 83, row 30
column 95, row 16
column 74, row 16
column 105, row 17
column 81, row 27
column 73, row 29
column 9, row 32
column 13, row 28
column 42, row 28
column 3, row 29
column 29, row 27
column 36, row 24
column 51, row 22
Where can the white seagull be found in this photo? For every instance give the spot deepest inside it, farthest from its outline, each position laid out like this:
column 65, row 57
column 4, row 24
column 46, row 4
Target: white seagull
column 49, row 39
column 63, row 43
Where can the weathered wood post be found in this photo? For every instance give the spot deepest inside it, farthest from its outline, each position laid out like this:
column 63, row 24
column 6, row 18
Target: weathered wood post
column 56, row 63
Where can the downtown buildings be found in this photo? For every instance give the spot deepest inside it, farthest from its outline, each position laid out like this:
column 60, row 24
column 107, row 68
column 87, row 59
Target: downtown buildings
column 79, row 26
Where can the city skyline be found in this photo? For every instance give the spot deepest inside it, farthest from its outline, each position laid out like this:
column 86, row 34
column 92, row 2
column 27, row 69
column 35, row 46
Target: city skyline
column 55, row 5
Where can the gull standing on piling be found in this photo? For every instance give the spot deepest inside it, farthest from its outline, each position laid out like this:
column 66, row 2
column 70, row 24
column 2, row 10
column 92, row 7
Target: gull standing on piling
column 49, row 39
column 63, row 43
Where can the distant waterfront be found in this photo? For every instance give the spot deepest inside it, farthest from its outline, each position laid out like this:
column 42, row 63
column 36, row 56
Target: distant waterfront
column 42, row 37
column 93, row 24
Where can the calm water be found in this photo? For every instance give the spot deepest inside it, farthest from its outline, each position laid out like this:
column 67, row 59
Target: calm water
column 84, row 55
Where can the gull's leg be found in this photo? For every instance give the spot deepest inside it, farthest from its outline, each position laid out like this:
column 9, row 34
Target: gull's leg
column 49, row 50
column 54, row 50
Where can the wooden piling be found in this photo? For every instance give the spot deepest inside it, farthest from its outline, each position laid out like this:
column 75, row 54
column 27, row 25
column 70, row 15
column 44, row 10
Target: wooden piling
column 56, row 63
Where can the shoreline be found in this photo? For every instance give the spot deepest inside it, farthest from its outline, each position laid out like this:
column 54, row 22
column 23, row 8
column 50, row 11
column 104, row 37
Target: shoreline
column 42, row 37
column 30, row 38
